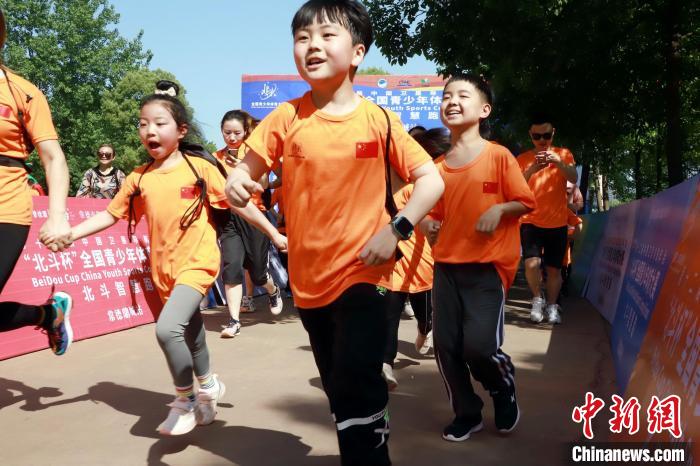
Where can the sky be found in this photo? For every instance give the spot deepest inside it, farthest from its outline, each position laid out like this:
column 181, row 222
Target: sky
column 209, row 44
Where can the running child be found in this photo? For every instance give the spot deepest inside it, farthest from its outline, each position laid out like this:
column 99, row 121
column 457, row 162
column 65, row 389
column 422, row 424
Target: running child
column 341, row 238
column 242, row 246
column 413, row 273
column 175, row 192
column 476, row 257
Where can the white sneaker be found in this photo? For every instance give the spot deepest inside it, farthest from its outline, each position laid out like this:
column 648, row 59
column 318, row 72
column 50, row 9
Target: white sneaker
column 553, row 316
column 388, row 375
column 276, row 302
column 424, row 342
column 536, row 310
column 231, row 330
column 247, row 304
column 408, row 309
column 181, row 418
column 205, row 409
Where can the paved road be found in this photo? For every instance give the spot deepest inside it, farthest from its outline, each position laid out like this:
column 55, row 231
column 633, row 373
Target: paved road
column 100, row 403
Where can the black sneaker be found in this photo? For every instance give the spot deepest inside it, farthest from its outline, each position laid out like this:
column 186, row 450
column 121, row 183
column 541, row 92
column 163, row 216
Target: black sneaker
column 506, row 410
column 460, row 430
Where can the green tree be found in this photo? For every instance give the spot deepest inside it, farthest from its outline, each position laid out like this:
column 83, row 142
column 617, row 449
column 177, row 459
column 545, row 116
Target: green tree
column 73, row 52
column 120, row 113
column 610, row 72
column 372, row 70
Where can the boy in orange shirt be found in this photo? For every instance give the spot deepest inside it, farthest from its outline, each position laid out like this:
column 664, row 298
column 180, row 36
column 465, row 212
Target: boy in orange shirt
column 476, row 255
column 341, row 238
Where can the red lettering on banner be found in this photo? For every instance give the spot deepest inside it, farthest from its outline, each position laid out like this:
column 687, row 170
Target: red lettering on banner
column 102, row 273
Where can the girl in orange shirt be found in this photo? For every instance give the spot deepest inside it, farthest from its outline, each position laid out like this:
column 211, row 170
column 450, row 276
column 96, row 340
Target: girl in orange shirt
column 244, row 248
column 171, row 191
column 25, row 123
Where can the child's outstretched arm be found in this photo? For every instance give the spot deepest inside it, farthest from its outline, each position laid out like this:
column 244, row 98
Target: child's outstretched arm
column 427, row 191
column 489, row 220
column 252, row 215
column 239, row 184
column 96, row 223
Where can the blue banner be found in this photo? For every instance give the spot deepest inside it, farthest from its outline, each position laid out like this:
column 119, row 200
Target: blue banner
column 659, row 222
column 414, row 98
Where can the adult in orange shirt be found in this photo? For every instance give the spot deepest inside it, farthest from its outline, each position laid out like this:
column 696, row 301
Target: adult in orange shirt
column 25, row 123
column 175, row 192
column 476, row 255
column 341, row 238
column 243, row 247
column 543, row 231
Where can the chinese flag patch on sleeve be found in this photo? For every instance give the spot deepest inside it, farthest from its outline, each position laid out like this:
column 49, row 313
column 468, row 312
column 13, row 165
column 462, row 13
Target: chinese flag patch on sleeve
column 366, row 150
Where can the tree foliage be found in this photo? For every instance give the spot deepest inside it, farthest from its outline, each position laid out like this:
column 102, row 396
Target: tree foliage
column 607, row 71
column 71, row 50
column 120, row 113
column 372, row 70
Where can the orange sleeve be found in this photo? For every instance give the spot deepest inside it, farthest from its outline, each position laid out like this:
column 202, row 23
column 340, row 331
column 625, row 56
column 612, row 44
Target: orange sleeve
column 215, row 187
column 406, row 154
column 515, row 188
column 567, row 157
column 119, row 205
column 39, row 124
column 267, row 139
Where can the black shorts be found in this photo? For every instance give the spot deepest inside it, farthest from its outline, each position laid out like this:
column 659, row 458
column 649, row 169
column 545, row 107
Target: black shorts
column 243, row 247
column 547, row 243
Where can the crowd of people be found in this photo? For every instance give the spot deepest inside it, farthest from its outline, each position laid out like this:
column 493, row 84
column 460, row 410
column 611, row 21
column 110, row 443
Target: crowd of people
column 366, row 217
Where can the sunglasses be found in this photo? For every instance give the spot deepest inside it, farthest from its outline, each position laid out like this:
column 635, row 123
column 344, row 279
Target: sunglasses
column 105, row 154
column 538, row 136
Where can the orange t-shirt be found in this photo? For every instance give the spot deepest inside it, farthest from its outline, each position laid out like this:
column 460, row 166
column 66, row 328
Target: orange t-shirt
column 549, row 187
column 572, row 220
column 414, row 272
column 256, row 198
column 493, row 177
column 15, row 193
column 190, row 257
column 334, row 187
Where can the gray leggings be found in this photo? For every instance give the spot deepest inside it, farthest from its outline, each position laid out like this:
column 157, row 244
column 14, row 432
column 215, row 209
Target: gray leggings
column 180, row 333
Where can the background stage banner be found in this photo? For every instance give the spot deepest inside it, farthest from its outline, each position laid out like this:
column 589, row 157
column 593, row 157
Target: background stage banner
column 415, row 98
column 108, row 277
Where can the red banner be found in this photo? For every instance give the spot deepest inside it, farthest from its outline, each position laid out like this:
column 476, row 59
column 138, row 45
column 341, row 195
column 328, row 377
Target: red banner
column 108, row 277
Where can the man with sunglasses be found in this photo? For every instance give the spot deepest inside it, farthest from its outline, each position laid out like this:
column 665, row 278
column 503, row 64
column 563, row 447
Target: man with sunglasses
column 543, row 231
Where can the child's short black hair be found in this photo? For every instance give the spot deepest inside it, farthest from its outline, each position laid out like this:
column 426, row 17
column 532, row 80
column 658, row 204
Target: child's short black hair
column 350, row 14
column 435, row 141
column 479, row 82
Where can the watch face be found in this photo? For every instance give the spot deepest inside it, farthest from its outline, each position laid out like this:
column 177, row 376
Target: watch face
column 403, row 227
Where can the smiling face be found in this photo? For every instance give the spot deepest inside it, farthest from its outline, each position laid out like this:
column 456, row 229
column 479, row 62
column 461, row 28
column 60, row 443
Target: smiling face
column 158, row 130
column 105, row 156
column 233, row 132
column 323, row 52
column 462, row 105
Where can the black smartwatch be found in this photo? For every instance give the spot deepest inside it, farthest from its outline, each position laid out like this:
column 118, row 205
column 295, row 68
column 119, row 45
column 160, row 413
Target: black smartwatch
column 401, row 227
